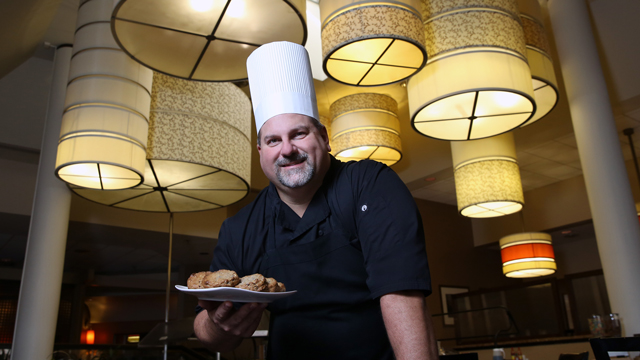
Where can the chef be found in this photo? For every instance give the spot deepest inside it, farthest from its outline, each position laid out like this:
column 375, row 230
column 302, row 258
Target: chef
column 346, row 236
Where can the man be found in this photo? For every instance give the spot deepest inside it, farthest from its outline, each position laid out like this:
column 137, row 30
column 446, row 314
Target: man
column 347, row 237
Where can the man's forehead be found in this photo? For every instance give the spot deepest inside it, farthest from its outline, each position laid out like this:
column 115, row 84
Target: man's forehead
column 285, row 122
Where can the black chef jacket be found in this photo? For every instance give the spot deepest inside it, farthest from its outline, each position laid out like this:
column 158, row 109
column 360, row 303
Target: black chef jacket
column 360, row 238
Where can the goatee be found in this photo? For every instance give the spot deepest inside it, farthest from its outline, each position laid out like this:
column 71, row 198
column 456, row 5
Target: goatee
column 300, row 176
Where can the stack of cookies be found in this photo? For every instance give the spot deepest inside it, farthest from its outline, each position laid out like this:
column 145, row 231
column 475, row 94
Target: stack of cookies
column 229, row 278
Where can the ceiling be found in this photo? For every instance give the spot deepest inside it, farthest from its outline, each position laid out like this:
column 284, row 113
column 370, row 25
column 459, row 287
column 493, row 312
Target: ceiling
column 546, row 150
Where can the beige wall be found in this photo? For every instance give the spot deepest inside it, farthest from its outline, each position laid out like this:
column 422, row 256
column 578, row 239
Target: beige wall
column 453, row 258
column 549, row 207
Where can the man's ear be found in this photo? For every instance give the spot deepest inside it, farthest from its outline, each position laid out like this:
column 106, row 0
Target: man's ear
column 325, row 136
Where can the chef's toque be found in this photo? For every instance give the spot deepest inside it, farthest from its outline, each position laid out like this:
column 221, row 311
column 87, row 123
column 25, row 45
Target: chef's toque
column 281, row 82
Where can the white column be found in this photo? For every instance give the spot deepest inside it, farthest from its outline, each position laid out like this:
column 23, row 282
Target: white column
column 614, row 215
column 44, row 260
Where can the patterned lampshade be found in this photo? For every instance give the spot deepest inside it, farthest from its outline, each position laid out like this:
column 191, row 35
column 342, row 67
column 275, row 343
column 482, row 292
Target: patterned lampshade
column 487, row 177
column 371, row 43
column 527, row 255
column 545, row 86
column 366, row 126
column 199, row 153
column 103, row 137
column 477, row 82
column 206, row 40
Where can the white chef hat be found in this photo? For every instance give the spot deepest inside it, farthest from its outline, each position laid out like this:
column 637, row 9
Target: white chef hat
column 281, row 82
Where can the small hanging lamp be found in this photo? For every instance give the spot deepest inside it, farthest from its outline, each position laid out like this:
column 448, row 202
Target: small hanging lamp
column 477, row 82
column 366, row 126
column 199, row 153
column 103, row 137
column 487, row 177
column 545, row 86
column 372, row 43
column 206, row 40
column 528, row 254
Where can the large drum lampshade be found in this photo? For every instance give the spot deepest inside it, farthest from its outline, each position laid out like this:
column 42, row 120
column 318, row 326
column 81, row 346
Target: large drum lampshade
column 477, row 82
column 199, row 153
column 366, row 126
column 206, row 40
column 372, row 43
column 104, row 130
column 487, row 177
column 545, row 88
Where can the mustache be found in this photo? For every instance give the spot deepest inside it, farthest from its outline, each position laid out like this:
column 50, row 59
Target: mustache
column 295, row 158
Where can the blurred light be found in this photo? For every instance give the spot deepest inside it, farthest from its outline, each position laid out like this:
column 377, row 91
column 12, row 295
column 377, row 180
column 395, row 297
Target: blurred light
column 91, row 337
column 201, row 5
column 133, row 339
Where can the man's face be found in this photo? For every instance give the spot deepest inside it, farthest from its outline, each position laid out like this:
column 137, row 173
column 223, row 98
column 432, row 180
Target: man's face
column 292, row 150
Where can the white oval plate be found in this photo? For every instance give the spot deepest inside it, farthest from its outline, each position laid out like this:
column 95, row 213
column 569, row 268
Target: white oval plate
column 235, row 294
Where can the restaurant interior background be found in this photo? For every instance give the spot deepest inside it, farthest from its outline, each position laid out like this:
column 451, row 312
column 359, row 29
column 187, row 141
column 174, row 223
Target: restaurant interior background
column 116, row 260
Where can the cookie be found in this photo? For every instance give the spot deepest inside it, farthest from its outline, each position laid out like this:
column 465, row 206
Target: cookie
column 220, row 278
column 195, row 280
column 255, row 282
column 281, row 287
column 272, row 285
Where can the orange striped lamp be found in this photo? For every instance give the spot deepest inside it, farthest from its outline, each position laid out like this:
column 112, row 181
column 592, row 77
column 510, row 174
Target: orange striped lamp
column 527, row 255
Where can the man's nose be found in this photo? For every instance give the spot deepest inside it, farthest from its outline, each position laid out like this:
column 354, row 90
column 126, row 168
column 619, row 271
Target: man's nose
column 288, row 148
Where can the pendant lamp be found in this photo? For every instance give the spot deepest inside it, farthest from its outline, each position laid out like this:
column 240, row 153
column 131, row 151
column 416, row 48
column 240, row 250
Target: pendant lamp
column 103, row 136
column 487, row 177
column 206, row 40
column 366, row 126
column 528, row 254
column 372, row 43
column 199, row 153
column 545, row 86
column 477, row 82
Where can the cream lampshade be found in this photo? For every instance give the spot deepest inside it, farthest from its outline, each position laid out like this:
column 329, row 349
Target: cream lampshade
column 207, row 40
column 199, row 153
column 103, row 137
column 366, row 126
column 545, row 88
column 487, row 177
column 371, row 43
column 327, row 124
column 477, row 82
column 527, row 255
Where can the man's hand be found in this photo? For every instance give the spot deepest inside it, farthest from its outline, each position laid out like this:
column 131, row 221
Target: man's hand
column 221, row 327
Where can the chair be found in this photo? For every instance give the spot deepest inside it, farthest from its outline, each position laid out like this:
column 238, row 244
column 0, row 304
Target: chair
column 601, row 346
column 580, row 356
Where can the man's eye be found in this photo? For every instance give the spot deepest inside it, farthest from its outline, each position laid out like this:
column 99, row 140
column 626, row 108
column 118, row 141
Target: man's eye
column 271, row 141
column 300, row 134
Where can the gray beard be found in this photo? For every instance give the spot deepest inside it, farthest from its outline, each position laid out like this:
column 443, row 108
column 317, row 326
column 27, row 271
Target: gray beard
column 297, row 177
